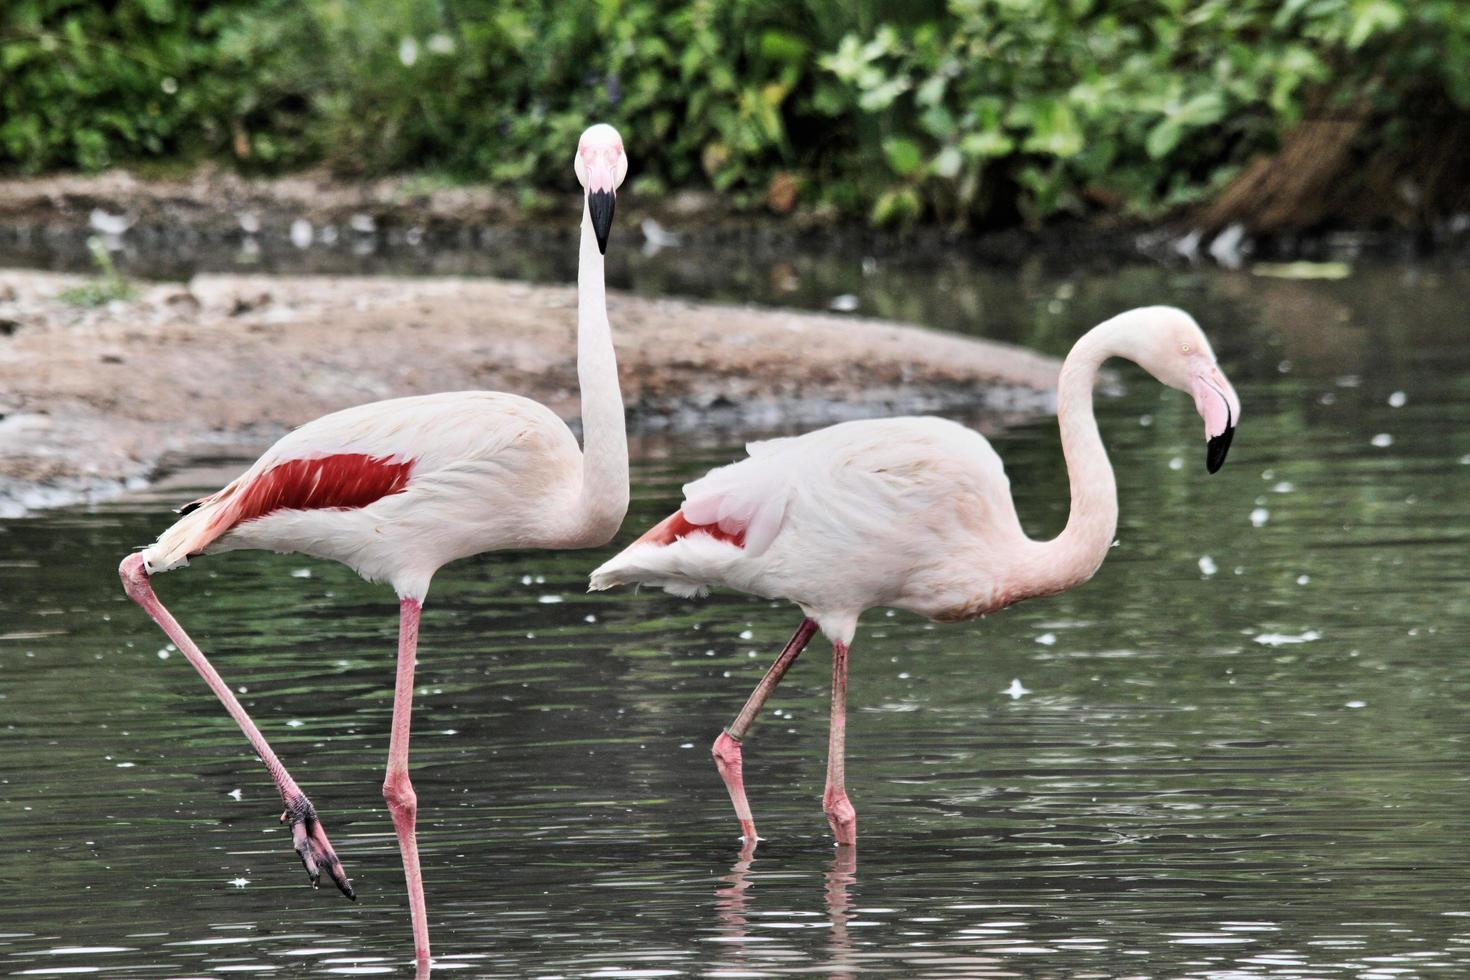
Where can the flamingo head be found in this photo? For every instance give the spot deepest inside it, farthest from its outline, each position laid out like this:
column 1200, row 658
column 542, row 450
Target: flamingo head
column 601, row 166
column 1174, row 350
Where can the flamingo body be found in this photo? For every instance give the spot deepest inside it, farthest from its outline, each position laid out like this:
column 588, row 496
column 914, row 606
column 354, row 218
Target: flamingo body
column 913, row 511
column 396, row 489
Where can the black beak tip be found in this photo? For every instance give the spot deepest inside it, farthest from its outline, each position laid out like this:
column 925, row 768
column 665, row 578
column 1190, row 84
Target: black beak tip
column 600, row 208
column 1217, row 448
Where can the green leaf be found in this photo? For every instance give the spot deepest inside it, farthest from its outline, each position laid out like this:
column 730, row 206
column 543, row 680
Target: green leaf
column 1372, row 17
column 903, row 156
column 990, row 143
column 948, row 163
column 1162, row 139
column 895, row 206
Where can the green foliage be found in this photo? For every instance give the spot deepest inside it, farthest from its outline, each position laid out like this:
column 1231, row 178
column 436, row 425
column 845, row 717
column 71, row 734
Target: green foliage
column 1043, row 105
column 969, row 111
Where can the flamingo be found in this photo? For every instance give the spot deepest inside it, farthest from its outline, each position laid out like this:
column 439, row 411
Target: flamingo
column 396, row 489
column 913, row 513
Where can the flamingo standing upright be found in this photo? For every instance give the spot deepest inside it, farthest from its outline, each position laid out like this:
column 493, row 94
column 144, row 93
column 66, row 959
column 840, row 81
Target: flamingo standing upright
column 396, row 489
column 914, row 513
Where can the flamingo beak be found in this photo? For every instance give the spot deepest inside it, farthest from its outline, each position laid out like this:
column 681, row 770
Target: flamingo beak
column 602, row 188
column 1217, row 403
column 600, row 209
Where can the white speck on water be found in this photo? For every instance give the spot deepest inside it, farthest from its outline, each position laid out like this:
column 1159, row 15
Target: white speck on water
column 1017, row 689
column 236, row 794
column 242, row 689
column 548, row 600
column 408, row 52
column 126, row 765
column 1177, row 463
column 1287, row 639
column 1284, row 367
column 686, row 745
column 904, row 675
column 301, row 573
column 1284, row 486
column 1145, row 420
column 440, row 44
column 1207, row 565
column 1398, row 400
column 845, row 303
column 163, row 655
column 249, row 222
column 301, row 233
column 1356, row 704
column 746, row 634
column 589, row 618
column 1303, row 579
column 450, row 731
column 239, row 882
column 295, row 723
column 526, row 580
column 540, row 579
column 1383, row 440
column 363, row 224
column 1047, row 639
column 1259, row 517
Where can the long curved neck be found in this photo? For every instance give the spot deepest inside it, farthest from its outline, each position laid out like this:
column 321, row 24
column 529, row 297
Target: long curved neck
column 603, row 501
column 1071, row 558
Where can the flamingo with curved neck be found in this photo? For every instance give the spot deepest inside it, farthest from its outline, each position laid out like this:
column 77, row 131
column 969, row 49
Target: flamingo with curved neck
column 914, row 513
column 397, row 489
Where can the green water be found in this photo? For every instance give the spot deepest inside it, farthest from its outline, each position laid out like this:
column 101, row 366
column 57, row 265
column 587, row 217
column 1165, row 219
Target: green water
column 1243, row 752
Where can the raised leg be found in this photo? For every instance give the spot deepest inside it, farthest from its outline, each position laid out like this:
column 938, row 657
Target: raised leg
column 403, row 803
column 307, row 834
column 727, row 747
column 840, row 814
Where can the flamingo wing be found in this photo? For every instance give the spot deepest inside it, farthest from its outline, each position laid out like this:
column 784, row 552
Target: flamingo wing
column 356, row 457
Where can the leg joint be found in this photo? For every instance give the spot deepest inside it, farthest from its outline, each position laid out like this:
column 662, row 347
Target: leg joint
column 399, row 794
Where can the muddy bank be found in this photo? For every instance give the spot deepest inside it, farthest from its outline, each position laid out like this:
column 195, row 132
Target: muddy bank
column 217, row 221
column 97, row 398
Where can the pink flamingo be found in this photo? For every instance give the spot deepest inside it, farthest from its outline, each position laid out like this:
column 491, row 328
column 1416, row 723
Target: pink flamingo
column 914, row 513
column 396, row 489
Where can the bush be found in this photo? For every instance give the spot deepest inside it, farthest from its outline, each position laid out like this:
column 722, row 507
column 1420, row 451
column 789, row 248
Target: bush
column 975, row 111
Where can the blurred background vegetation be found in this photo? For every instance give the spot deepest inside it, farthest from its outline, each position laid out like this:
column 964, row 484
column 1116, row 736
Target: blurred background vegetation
column 971, row 112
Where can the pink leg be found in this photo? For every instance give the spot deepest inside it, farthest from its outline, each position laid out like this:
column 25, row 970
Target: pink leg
column 727, row 747
column 840, row 814
column 307, row 834
column 403, row 803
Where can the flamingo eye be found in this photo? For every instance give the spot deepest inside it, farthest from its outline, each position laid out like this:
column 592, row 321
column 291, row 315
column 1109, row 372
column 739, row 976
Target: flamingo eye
column 1185, row 348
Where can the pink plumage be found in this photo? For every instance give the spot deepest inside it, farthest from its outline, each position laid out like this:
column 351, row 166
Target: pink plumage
column 914, row 513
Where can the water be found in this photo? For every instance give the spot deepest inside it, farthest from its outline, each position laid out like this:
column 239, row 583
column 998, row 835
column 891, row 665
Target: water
column 1242, row 751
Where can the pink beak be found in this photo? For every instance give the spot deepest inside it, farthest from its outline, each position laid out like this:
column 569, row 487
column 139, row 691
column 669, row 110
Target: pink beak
column 1219, row 406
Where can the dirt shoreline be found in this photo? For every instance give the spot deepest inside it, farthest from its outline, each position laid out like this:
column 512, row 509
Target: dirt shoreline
column 95, row 400
column 213, row 204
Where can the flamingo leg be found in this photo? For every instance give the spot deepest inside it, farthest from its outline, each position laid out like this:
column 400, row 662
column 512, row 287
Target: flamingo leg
column 840, row 814
column 307, row 835
column 397, row 789
column 727, row 747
